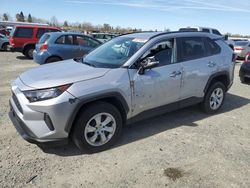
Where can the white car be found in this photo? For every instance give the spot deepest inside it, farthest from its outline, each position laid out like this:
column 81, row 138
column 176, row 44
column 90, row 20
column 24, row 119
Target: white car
column 241, row 48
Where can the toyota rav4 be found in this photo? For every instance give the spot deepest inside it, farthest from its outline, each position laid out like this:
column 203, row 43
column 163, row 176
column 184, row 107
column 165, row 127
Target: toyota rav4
column 129, row 78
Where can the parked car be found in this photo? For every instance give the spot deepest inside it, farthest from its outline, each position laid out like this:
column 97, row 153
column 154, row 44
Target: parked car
column 103, row 37
column 244, row 72
column 241, row 48
column 4, row 42
column 247, row 56
column 129, row 78
column 4, row 32
column 24, row 37
column 59, row 46
column 214, row 31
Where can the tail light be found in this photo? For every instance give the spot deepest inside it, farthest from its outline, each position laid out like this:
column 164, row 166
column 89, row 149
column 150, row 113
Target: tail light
column 11, row 40
column 44, row 47
column 239, row 48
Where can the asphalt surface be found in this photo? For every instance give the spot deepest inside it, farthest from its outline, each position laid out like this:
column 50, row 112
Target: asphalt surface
column 185, row 148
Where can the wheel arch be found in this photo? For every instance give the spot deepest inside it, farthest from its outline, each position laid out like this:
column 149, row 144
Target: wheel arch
column 57, row 56
column 222, row 76
column 113, row 98
column 28, row 45
column 4, row 44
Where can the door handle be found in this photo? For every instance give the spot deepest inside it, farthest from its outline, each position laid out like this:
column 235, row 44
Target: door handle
column 211, row 64
column 175, row 73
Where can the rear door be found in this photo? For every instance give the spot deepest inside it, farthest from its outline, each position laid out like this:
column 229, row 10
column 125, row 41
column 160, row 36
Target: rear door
column 200, row 58
column 65, row 47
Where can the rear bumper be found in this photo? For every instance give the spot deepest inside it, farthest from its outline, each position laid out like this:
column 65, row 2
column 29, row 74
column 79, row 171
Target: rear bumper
column 40, row 57
column 27, row 134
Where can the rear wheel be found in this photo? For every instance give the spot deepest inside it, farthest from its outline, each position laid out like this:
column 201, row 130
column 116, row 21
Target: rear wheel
column 29, row 52
column 214, row 98
column 5, row 47
column 52, row 59
column 97, row 127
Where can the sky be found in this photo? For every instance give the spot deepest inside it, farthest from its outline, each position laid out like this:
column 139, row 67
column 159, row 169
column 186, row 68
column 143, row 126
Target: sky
column 226, row 15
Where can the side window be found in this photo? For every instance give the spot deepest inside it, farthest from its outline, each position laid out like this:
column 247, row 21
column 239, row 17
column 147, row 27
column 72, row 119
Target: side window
column 164, row 52
column 40, row 32
column 24, row 32
column 212, row 47
column 216, row 32
column 85, row 41
column 107, row 37
column 191, row 48
column 205, row 30
column 66, row 39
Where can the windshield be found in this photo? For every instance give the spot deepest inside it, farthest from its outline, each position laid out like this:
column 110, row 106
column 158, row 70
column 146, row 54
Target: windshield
column 44, row 38
column 114, row 53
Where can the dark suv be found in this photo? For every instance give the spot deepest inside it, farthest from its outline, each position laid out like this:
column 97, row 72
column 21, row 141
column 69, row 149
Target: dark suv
column 23, row 38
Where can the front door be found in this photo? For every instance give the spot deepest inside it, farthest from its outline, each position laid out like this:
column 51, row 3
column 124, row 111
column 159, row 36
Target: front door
column 158, row 86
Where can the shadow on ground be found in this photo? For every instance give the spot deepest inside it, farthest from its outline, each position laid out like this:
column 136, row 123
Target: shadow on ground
column 152, row 126
column 22, row 58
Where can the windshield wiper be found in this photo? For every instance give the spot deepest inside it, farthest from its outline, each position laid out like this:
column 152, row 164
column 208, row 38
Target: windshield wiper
column 86, row 63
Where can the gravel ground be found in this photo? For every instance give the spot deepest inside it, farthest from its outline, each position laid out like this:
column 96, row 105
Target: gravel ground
column 185, row 148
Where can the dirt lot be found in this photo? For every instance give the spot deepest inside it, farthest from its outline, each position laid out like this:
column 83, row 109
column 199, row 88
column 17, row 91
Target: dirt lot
column 186, row 148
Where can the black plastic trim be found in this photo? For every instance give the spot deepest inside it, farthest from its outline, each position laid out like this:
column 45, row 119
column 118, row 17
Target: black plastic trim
column 165, row 109
column 97, row 97
column 221, row 73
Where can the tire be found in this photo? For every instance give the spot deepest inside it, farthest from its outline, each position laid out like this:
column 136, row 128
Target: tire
column 214, row 98
column 242, row 79
column 5, row 46
column 89, row 136
column 29, row 52
column 52, row 59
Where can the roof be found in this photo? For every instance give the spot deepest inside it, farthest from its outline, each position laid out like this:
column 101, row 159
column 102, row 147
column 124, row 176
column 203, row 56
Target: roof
column 149, row 35
column 38, row 26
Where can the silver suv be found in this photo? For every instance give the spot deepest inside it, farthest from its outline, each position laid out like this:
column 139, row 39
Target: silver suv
column 129, row 78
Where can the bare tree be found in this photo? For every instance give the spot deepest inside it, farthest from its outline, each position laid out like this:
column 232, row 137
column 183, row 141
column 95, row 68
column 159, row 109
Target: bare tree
column 54, row 21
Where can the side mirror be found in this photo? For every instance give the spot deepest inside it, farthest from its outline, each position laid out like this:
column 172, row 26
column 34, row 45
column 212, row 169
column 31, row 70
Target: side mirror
column 148, row 63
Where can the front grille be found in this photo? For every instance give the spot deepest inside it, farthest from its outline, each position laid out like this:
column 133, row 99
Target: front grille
column 17, row 103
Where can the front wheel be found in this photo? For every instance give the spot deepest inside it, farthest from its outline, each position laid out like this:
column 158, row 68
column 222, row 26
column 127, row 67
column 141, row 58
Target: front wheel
column 97, row 127
column 214, row 98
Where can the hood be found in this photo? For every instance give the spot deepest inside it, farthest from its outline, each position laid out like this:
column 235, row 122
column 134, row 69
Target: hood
column 60, row 73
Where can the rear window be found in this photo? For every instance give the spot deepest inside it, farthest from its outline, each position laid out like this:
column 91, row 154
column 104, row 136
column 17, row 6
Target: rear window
column 66, row 39
column 241, row 43
column 205, row 30
column 212, row 47
column 216, row 32
column 44, row 38
column 23, row 32
column 191, row 48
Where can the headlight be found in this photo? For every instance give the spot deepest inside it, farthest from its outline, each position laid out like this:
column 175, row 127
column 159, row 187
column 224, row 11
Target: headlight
column 44, row 94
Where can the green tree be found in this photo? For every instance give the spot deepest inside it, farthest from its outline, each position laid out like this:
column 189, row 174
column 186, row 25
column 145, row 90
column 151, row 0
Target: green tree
column 29, row 18
column 65, row 24
column 5, row 17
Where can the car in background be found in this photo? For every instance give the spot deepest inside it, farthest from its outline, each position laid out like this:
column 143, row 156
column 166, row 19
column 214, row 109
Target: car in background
column 247, row 56
column 4, row 32
column 24, row 38
column 241, row 48
column 231, row 43
column 4, row 42
column 244, row 72
column 59, row 46
column 103, row 37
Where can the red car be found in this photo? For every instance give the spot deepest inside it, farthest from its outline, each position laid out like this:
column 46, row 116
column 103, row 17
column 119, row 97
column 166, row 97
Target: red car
column 24, row 38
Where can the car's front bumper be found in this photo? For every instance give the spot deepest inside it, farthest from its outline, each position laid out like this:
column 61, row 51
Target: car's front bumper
column 29, row 118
